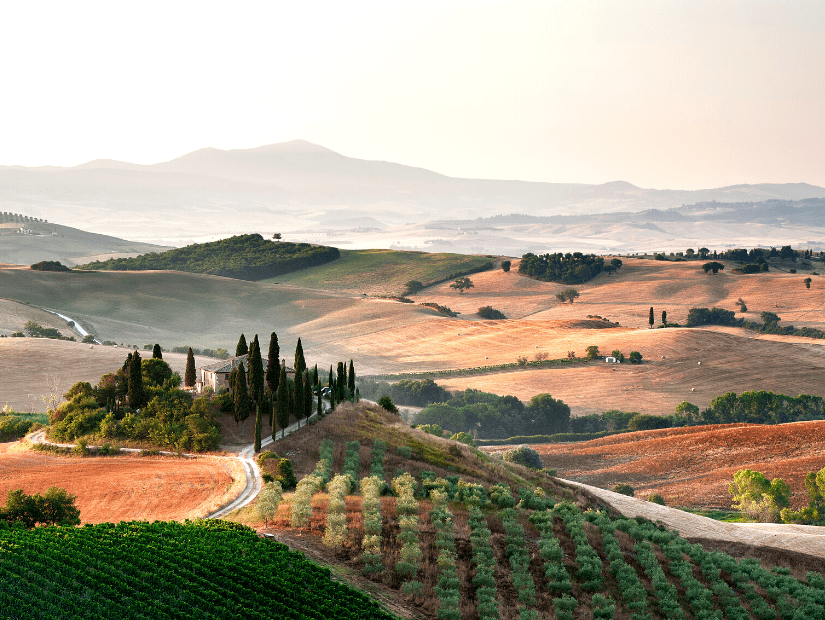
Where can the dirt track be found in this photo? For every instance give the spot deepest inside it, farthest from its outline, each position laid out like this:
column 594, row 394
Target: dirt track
column 807, row 539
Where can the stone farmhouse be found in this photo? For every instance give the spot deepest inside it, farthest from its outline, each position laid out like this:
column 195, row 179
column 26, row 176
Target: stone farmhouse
column 216, row 375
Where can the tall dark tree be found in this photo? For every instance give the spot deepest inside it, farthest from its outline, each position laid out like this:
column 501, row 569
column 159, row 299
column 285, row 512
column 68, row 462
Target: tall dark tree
column 664, row 317
column 156, row 352
column 299, row 397
column 282, row 403
column 136, row 396
column 320, row 410
column 300, row 362
column 351, row 379
column 315, row 375
column 307, row 394
column 242, row 348
column 243, row 405
column 127, row 364
column 273, row 364
column 341, row 382
column 256, row 371
column 650, row 318
column 189, row 375
column 333, row 390
column 258, row 425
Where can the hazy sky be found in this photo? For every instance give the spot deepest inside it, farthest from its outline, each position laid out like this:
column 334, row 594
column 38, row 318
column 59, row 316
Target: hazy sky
column 661, row 94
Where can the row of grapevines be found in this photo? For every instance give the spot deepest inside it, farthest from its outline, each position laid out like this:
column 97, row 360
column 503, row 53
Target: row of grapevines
column 352, row 462
column 407, row 508
column 301, row 509
column 373, row 523
column 558, row 579
column 590, row 564
column 377, row 459
column 485, row 565
column 335, row 534
column 448, row 583
column 517, row 551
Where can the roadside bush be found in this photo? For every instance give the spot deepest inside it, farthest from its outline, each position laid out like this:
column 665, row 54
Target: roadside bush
column 624, row 489
column 12, row 427
column 655, row 498
column 488, row 312
column 524, row 455
column 387, row 404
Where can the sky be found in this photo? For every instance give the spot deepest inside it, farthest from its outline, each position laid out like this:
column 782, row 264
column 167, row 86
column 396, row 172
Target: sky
column 681, row 95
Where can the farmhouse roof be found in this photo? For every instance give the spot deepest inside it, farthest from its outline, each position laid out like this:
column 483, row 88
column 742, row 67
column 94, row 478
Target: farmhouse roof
column 230, row 364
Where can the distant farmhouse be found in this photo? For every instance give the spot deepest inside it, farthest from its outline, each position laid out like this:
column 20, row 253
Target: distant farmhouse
column 216, row 375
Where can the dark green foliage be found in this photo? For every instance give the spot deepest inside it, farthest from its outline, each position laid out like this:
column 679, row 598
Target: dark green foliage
column 761, row 407
column 386, row 403
column 282, row 402
column 624, row 489
column 50, row 265
column 135, row 392
column 440, row 309
column 300, row 362
column 664, row 317
column 298, row 397
column 713, row 266
column 240, row 393
column 256, row 371
column 38, row 331
column 351, row 379
column 751, row 268
column 413, row 287
column 655, row 498
column 273, row 363
column 650, row 319
column 524, row 455
column 157, row 353
column 242, row 348
column 643, row 422
column 405, row 392
column 201, row 569
column 341, row 382
column 377, row 459
column 189, row 375
column 488, row 312
column 461, row 284
column 245, row 257
column 714, row 316
column 505, row 265
column 352, row 462
column 56, row 507
column 635, row 357
column 575, row 268
column 258, row 427
column 307, row 394
column 12, row 426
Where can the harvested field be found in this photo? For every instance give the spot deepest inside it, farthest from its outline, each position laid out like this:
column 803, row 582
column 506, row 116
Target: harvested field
column 122, row 487
column 693, row 466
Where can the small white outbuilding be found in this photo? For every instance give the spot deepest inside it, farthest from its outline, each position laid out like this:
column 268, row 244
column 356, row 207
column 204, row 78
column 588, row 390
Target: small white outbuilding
column 611, row 360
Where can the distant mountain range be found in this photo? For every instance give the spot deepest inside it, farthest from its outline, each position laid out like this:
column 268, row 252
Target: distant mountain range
column 303, row 189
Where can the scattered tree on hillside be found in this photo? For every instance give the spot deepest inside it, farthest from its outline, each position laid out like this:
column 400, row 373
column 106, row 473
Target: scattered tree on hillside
column 242, row 348
column 413, row 287
column 462, row 283
column 703, row 253
column 256, row 371
column 189, row 374
column 490, row 313
column 664, row 317
column 618, row 355
column 49, row 265
column 575, row 268
column 298, row 397
column 635, row 357
column 770, row 317
column 807, row 282
column 273, row 365
column 752, row 494
column 351, row 379
column 277, row 236
column 505, row 265
column 333, row 390
column 135, row 393
column 282, row 404
column 300, row 362
column 742, row 306
column 156, row 352
column 240, row 392
column 567, row 295
column 689, row 252
column 713, row 266
column 687, row 414
column 624, row 489
column 307, row 394
column 55, row 507
column 267, row 501
column 341, row 382
column 386, row 403
column 650, row 318
column 88, row 339
column 592, row 352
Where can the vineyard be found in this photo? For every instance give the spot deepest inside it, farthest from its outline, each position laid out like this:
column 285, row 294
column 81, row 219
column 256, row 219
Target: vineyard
column 453, row 547
column 163, row 570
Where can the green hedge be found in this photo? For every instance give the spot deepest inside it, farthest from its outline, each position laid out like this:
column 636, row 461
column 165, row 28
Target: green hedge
column 556, row 438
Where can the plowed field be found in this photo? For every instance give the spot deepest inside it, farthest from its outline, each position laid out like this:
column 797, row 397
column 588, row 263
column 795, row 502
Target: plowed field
column 693, row 466
column 121, row 488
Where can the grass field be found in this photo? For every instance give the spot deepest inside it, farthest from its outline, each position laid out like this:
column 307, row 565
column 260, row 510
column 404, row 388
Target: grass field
column 382, row 272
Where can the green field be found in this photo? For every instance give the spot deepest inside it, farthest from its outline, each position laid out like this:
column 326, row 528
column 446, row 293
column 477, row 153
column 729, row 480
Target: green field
column 382, row 272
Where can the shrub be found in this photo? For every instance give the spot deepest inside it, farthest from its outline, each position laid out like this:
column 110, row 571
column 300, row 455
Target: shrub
column 81, row 448
column 524, row 455
column 655, row 498
column 266, row 504
column 386, row 402
column 624, row 489
column 592, row 352
column 488, row 312
column 635, row 357
column 465, row 438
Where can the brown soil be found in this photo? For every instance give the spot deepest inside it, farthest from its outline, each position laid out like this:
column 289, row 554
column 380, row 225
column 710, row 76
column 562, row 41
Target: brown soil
column 122, row 488
column 693, row 466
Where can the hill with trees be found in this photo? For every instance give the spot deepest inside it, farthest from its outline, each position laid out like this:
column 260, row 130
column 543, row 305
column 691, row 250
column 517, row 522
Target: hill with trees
column 244, row 257
column 575, row 268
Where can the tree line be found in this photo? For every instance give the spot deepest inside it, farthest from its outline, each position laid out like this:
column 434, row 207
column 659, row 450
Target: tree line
column 575, row 268
column 244, row 257
column 769, row 325
column 55, row 507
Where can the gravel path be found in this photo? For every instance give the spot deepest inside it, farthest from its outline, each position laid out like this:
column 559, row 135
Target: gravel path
column 809, row 539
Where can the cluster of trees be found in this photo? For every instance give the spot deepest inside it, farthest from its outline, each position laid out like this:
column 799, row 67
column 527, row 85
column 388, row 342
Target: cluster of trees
column 405, row 392
column 488, row 312
column 35, row 330
column 50, row 265
column 7, row 216
column 141, row 401
column 575, row 268
column 55, row 507
column 486, row 415
column 769, row 325
column 219, row 353
column 245, row 257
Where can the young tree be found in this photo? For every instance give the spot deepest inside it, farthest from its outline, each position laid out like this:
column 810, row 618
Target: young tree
column 273, row 363
column 650, row 318
column 664, row 317
column 266, row 504
column 243, row 405
column 189, row 375
column 300, row 363
column 807, row 282
column 136, row 396
column 156, row 352
column 505, row 265
column 592, row 352
column 635, row 357
column 242, row 348
column 351, row 379
column 299, row 397
column 462, row 283
column 282, row 403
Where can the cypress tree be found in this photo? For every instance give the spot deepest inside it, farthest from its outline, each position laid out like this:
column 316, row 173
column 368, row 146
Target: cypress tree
column 157, row 353
column 664, row 317
column 333, row 390
column 256, row 370
column 341, row 382
column 351, row 379
column 242, row 348
column 300, row 363
column 283, row 405
column 273, row 364
column 315, row 375
column 320, row 410
column 127, row 364
column 258, row 426
column 189, row 375
column 241, row 395
column 650, row 318
column 135, row 382
column 299, row 397
column 307, row 395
